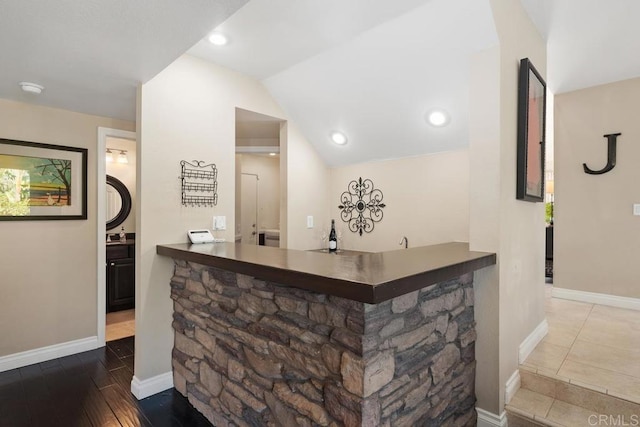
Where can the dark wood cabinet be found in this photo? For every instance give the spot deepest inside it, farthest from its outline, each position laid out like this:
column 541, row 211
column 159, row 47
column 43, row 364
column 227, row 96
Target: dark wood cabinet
column 120, row 277
column 548, row 268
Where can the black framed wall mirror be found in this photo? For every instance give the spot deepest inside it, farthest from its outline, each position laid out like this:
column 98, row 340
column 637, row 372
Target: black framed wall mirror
column 118, row 202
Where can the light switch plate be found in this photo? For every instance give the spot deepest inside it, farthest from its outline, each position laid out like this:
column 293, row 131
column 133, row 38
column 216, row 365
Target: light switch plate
column 636, row 209
column 309, row 221
column 219, row 222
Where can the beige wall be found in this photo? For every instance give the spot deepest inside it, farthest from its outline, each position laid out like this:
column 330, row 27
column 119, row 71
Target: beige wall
column 127, row 174
column 188, row 112
column 522, row 223
column 500, row 223
column 48, row 268
column 426, row 197
column 596, row 244
column 306, row 193
column 484, row 220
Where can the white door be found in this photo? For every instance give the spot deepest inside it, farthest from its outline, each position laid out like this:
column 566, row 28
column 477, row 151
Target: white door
column 249, row 209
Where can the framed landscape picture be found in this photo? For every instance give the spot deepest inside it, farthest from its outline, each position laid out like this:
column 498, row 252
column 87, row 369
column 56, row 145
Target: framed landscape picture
column 42, row 181
column 532, row 98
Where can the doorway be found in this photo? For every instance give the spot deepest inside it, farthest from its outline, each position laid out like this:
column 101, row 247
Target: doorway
column 549, row 191
column 120, row 141
column 120, row 215
column 249, row 209
column 259, row 174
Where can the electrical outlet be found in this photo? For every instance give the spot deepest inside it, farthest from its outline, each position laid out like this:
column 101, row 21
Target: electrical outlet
column 636, row 209
column 219, row 222
column 309, row 221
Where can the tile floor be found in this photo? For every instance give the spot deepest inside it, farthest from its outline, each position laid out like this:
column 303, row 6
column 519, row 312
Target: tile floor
column 120, row 324
column 595, row 346
column 589, row 359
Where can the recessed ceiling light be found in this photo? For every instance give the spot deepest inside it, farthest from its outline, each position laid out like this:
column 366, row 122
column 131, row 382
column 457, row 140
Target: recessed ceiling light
column 31, row 87
column 218, row 39
column 338, row 137
column 438, row 118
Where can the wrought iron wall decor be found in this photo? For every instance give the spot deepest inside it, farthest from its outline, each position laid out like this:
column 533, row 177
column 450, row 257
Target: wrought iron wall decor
column 612, row 138
column 361, row 206
column 199, row 183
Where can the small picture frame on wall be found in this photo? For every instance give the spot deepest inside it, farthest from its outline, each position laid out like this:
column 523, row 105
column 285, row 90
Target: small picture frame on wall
column 42, row 181
column 532, row 99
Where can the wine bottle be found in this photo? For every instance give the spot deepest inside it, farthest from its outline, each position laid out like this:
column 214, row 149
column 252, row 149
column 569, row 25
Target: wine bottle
column 333, row 240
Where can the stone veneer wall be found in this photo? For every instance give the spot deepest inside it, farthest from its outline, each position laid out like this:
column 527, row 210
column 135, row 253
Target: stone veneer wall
column 255, row 353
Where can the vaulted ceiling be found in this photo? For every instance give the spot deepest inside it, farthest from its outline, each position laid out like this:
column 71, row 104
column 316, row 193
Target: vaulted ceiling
column 91, row 55
column 369, row 68
column 589, row 42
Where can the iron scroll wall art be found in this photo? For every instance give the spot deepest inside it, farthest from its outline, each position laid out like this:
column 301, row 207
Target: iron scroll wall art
column 199, row 183
column 361, row 206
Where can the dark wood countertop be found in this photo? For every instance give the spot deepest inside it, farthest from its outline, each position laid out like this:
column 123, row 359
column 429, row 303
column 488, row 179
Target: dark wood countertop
column 370, row 277
column 119, row 243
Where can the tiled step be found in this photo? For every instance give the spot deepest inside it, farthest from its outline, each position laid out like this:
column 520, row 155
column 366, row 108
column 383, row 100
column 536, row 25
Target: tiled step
column 517, row 419
column 554, row 401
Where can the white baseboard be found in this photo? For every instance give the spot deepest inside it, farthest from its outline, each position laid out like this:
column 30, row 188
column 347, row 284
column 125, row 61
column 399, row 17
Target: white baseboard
column 596, row 298
column 488, row 419
column 42, row 354
column 145, row 388
column 513, row 384
column 530, row 342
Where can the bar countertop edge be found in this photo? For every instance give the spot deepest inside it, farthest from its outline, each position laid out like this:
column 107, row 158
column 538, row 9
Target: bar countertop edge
column 365, row 277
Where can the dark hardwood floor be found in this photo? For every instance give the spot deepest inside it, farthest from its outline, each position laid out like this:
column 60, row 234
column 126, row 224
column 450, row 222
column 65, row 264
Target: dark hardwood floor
column 88, row 389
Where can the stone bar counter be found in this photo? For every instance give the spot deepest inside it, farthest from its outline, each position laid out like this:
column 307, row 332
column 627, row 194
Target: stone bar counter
column 274, row 337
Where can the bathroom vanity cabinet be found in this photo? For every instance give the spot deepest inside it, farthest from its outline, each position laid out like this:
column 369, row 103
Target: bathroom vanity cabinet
column 120, row 276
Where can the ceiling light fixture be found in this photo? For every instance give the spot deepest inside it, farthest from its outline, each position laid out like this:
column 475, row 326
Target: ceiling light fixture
column 31, row 87
column 109, row 156
column 338, row 138
column 438, row 118
column 218, row 39
column 272, row 154
column 122, row 157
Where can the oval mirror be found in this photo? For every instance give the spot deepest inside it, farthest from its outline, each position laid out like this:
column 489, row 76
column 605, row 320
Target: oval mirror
column 118, row 202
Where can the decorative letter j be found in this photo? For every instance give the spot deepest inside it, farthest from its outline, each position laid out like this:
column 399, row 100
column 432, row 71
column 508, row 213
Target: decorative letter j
column 611, row 156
